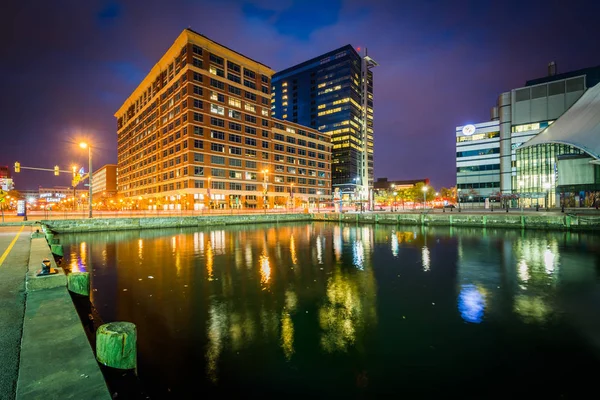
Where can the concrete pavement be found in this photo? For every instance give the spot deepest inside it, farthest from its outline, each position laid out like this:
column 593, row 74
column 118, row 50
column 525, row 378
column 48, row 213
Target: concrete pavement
column 14, row 258
column 44, row 351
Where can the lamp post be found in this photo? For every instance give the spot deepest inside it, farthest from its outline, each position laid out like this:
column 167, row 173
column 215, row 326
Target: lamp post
column 458, row 196
column 318, row 201
column 424, row 189
column 292, row 196
column 547, row 186
column 394, row 202
column 83, row 145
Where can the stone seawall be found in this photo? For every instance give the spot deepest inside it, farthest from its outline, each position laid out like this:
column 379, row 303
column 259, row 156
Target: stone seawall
column 113, row 224
column 499, row 220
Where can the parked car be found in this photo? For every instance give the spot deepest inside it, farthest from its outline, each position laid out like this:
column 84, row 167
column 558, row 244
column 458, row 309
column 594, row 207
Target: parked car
column 449, row 206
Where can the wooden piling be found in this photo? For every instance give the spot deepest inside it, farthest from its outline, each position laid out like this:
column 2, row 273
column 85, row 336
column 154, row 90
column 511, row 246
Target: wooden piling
column 116, row 345
column 79, row 282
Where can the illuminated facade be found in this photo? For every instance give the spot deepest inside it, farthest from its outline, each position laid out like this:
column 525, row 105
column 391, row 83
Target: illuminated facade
column 198, row 133
column 104, row 182
column 477, row 161
column 334, row 94
column 519, row 116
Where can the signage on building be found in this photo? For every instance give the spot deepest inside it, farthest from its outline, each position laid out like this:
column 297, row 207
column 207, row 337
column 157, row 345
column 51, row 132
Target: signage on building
column 20, row 208
column 468, row 130
column 52, row 197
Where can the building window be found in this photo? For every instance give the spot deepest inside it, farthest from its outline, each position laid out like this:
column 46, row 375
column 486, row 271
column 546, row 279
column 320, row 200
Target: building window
column 218, row 160
column 216, row 59
column 217, row 135
column 217, row 147
column 198, row 144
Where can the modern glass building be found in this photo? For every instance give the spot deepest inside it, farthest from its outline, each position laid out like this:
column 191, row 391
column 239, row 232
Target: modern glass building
column 562, row 163
column 521, row 115
column 333, row 93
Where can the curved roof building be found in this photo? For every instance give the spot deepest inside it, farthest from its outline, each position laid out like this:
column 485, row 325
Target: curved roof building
column 579, row 126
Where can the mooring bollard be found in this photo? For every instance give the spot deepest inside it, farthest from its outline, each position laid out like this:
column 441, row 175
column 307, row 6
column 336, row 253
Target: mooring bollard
column 116, row 344
column 57, row 250
column 46, row 269
column 79, row 282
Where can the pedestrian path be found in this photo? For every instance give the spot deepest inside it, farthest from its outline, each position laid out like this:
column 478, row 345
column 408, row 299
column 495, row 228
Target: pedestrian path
column 14, row 258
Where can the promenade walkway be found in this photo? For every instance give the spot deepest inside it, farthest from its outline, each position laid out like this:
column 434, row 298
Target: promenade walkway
column 44, row 351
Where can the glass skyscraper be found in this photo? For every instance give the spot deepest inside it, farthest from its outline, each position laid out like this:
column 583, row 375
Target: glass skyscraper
column 333, row 93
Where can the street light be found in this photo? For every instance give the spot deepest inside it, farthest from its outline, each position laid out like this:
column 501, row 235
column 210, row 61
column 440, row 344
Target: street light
column 292, row 195
column 424, row 189
column 83, row 145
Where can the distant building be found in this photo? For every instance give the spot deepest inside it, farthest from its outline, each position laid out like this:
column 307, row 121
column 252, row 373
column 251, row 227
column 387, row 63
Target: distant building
column 384, row 184
column 104, row 181
column 6, row 182
column 62, row 194
column 334, row 94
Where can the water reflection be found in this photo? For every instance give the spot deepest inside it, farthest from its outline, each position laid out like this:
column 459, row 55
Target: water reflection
column 254, row 301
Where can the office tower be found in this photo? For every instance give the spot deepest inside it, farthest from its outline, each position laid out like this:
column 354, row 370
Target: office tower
column 334, row 94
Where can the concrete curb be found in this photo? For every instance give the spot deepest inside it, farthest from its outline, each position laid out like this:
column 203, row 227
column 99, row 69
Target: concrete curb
column 57, row 361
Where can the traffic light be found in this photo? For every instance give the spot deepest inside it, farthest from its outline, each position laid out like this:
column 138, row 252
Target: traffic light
column 17, row 166
column 56, row 170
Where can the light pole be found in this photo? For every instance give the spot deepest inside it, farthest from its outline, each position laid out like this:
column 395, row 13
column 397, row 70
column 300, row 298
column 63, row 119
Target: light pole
column 83, row 145
column 424, row 189
column 458, row 198
column 318, row 201
column 292, row 196
column 394, row 203
column 547, row 186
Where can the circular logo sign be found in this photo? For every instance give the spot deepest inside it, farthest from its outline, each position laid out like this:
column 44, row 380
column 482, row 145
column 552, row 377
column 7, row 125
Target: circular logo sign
column 468, row 130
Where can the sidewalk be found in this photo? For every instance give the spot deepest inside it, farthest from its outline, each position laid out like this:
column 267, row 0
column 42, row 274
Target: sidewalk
column 13, row 268
column 43, row 347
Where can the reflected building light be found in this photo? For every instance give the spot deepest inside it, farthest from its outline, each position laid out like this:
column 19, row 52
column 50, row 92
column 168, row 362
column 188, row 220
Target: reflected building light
column 199, row 242
column 215, row 332
column 236, row 334
column 337, row 243
column 549, row 260
column 291, row 300
column 265, row 268
column 425, row 259
column 209, row 261
column 287, row 335
column 140, row 249
column 531, row 308
column 367, row 237
column 174, row 244
column 346, row 234
column 523, row 271
column 248, row 255
column 471, row 304
column 217, row 238
column 358, row 253
column 394, row 244
column 319, row 249
column 293, row 250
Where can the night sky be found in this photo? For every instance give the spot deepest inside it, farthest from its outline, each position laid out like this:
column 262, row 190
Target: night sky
column 67, row 66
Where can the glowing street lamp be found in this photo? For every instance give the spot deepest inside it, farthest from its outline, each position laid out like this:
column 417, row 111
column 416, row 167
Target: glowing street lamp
column 424, row 189
column 84, row 145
